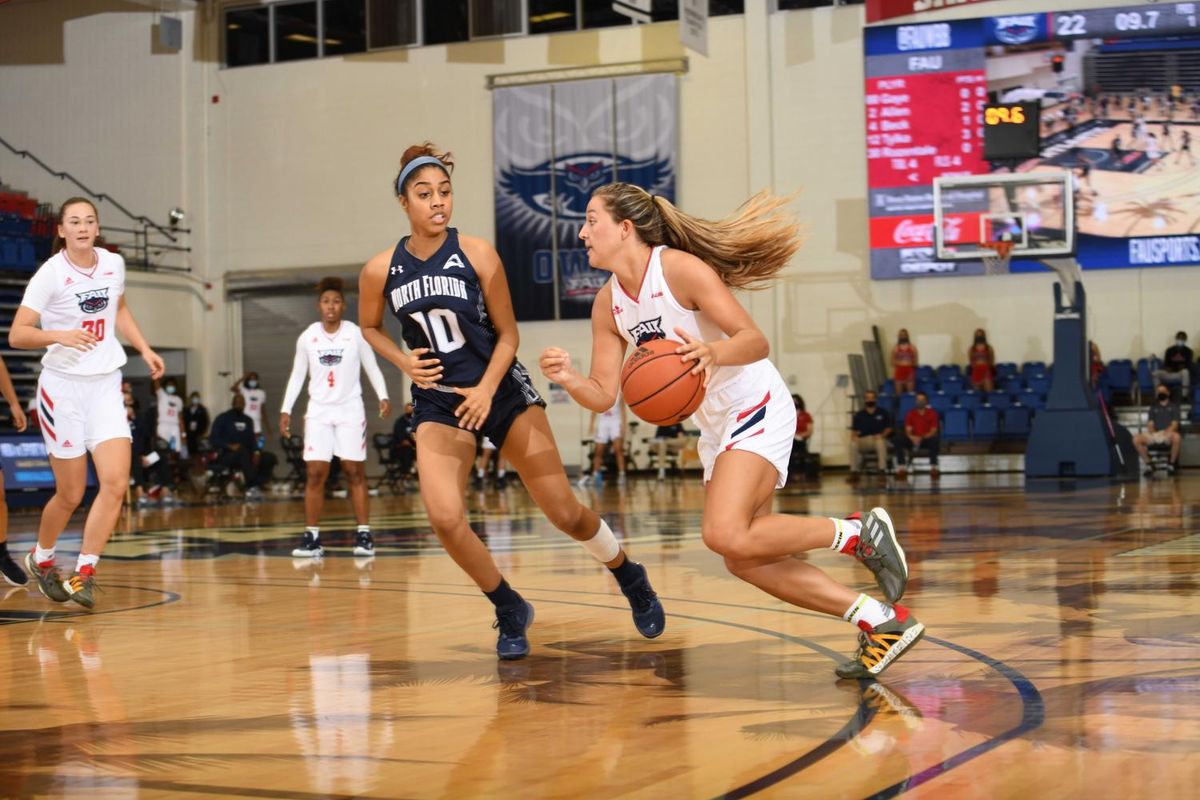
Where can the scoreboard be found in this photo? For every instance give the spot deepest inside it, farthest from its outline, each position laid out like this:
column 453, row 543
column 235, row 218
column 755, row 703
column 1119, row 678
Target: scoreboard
column 926, row 90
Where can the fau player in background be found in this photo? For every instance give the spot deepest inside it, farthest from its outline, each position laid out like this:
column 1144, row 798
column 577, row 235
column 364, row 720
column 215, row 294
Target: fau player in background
column 331, row 352
column 451, row 296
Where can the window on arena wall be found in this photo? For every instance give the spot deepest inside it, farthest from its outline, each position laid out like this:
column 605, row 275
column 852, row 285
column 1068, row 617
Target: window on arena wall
column 787, row 5
column 345, row 27
column 247, row 36
column 295, row 31
column 445, row 21
column 393, row 24
column 496, row 18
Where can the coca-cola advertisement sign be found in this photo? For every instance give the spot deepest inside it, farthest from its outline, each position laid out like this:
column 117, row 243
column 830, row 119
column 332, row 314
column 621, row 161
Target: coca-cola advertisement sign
column 917, row 230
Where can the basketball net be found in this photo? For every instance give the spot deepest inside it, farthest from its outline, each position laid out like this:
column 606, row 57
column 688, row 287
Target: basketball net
column 997, row 262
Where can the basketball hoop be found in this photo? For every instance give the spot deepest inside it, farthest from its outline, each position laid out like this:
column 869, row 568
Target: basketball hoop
column 997, row 263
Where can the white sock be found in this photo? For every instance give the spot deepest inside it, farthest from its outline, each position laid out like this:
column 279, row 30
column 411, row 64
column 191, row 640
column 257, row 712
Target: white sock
column 86, row 560
column 42, row 556
column 868, row 610
column 478, row 472
column 843, row 529
column 364, row 528
column 315, row 531
column 501, row 473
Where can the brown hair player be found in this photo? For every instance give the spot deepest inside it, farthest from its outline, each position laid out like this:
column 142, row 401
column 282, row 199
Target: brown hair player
column 672, row 275
column 449, row 292
column 10, row 569
column 78, row 299
column 333, row 354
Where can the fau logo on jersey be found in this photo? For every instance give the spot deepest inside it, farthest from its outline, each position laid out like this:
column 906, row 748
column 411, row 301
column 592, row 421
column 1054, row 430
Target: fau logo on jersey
column 93, row 301
column 646, row 330
column 329, row 358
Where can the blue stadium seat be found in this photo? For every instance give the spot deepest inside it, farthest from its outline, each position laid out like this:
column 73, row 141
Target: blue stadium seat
column 952, row 385
column 949, row 371
column 926, row 373
column 1195, row 415
column 25, row 257
column 1005, row 369
column 956, row 425
column 999, row 400
column 970, row 400
column 1010, row 383
column 1033, row 368
column 928, row 387
column 887, row 402
column 1035, row 401
column 908, row 401
column 1016, row 422
column 1119, row 375
column 987, row 424
column 940, row 402
column 1039, row 383
column 888, row 387
column 9, row 253
column 1146, row 367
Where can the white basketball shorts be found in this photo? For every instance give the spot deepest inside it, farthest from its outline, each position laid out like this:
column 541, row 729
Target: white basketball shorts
column 79, row 412
column 754, row 413
column 335, row 430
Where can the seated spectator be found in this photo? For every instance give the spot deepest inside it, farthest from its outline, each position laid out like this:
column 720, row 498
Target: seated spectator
column 1177, row 364
column 904, row 363
column 667, row 436
column 1096, row 371
column 404, row 442
column 236, row 444
column 982, row 362
column 1162, row 428
column 804, row 426
column 150, row 471
column 922, row 431
column 195, row 423
column 869, row 432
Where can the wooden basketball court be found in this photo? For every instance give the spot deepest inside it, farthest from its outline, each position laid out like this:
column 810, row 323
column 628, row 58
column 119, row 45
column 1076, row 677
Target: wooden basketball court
column 1062, row 657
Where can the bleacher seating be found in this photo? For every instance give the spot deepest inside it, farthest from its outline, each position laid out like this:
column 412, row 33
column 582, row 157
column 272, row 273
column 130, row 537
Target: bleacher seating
column 1016, row 422
column 1146, row 367
column 985, row 424
column 956, row 425
column 999, row 400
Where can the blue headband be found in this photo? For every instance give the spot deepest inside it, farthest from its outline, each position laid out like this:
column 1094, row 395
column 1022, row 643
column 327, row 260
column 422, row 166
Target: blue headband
column 415, row 165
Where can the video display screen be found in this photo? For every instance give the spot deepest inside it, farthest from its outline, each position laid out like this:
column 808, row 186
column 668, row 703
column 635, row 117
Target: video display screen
column 1119, row 93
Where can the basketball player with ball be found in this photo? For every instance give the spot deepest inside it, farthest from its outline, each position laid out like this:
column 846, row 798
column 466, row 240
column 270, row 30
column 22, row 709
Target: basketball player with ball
column 697, row 350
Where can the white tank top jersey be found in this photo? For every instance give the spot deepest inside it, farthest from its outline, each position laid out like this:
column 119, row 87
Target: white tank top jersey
column 332, row 362
column 170, row 409
column 68, row 298
column 255, row 400
column 655, row 314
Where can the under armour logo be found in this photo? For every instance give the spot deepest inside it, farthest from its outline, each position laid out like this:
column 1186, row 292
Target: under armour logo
column 454, row 261
column 396, row 270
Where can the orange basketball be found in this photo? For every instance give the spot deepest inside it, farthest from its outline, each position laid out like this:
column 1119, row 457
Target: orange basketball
column 658, row 386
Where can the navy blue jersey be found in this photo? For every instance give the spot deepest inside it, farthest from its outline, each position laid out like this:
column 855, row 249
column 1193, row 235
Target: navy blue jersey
column 440, row 305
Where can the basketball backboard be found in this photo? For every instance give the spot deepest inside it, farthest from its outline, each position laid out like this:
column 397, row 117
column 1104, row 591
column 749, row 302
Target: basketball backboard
column 1035, row 211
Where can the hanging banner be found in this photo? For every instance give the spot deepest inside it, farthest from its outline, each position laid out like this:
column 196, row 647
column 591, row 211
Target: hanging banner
column 554, row 145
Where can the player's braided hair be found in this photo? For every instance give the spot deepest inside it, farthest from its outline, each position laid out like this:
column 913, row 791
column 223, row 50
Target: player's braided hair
column 59, row 242
column 746, row 249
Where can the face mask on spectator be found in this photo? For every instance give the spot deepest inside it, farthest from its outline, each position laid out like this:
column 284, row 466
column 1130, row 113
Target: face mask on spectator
column 252, row 384
column 195, row 399
column 170, row 390
column 1181, row 342
column 1163, row 397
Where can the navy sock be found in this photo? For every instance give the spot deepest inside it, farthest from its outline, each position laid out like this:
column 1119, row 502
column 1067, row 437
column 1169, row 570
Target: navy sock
column 4, row 548
column 628, row 573
column 503, row 595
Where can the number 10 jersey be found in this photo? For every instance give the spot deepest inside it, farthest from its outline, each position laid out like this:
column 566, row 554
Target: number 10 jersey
column 440, row 305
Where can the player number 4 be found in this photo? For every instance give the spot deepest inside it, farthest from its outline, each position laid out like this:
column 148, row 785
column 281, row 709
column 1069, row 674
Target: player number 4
column 94, row 327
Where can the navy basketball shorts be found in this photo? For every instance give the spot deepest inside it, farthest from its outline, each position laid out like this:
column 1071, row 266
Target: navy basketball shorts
column 514, row 394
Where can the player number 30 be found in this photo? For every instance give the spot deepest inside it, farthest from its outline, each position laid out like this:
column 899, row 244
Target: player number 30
column 94, row 327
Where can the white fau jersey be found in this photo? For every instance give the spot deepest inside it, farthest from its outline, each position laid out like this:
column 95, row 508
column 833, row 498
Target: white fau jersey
column 655, row 314
column 68, row 298
column 170, row 410
column 332, row 362
column 255, row 400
